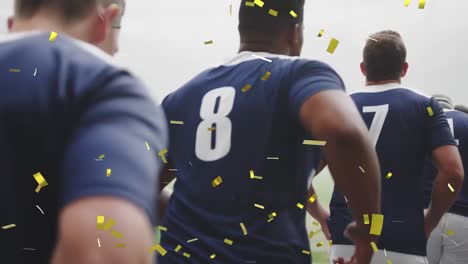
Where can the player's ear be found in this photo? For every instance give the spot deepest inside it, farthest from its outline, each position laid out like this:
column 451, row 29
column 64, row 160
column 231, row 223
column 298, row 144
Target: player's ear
column 404, row 69
column 10, row 22
column 104, row 21
column 363, row 69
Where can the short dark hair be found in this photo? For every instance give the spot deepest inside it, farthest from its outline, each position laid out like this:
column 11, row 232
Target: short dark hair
column 384, row 56
column 70, row 10
column 258, row 19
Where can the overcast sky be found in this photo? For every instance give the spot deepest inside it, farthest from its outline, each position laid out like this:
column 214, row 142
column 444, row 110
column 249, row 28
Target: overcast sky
column 162, row 41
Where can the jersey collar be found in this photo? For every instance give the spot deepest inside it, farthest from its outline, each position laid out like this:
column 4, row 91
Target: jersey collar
column 251, row 55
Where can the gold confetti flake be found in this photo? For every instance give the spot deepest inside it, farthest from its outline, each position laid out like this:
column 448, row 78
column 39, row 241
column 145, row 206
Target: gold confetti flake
column 407, row 3
column 266, row 76
column 159, row 249
column 120, row 245
column 208, row 42
column 307, row 252
column 332, row 45
column 314, row 142
column 450, row 232
column 244, row 230
column 300, row 206
column 273, row 12
column 40, row 181
column 213, row 256
column 319, row 244
column 100, row 222
column 366, row 219
column 108, row 172
column 429, row 111
column 192, row 240
column 228, row 241
column 389, row 261
column 162, row 154
column 102, row 157
column 422, row 4
column 176, row 122
column 251, row 4
column 162, row 228
column 109, row 224
column 389, row 175
column 272, row 215
column 187, row 255
column 35, row 71
column 212, row 129
column 246, row 88
column 312, row 234
column 315, row 223
column 14, row 70
column 53, row 36
column 260, row 3
column 374, row 246
column 98, row 242
column 293, row 14
column 272, row 158
column 330, row 243
column 116, row 234
column 450, row 187
column 147, row 146
column 8, row 226
column 377, row 223
column 271, row 219
column 321, row 32
column 362, row 170
column 313, row 198
column 216, row 182
column 179, row 247
column 253, row 176
column 259, row 206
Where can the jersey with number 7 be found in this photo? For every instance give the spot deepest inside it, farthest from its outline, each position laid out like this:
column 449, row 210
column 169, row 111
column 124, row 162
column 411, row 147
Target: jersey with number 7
column 405, row 126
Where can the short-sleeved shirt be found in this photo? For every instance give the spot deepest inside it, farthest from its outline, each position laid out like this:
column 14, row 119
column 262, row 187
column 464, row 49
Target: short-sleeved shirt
column 68, row 113
column 404, row 126
column 458, row 122
column 241, row 126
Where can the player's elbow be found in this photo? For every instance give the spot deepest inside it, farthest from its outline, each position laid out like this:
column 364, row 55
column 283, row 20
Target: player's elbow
column 453, row 173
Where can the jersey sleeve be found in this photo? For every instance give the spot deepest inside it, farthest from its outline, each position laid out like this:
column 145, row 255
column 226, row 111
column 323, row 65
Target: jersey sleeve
column 439, row 133
column 310, row 78
column 114, row 148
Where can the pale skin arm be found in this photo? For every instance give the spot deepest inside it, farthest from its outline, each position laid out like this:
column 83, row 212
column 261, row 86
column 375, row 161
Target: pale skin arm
column 77, row 234
column 319, row 213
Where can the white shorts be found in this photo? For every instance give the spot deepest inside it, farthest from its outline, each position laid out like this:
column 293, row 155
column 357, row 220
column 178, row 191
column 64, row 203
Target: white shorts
column 443, row 248
column 379, row 257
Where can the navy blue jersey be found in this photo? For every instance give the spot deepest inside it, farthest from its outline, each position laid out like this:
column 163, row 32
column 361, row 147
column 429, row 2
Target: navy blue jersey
column 68, row 114
column 404, row 126
column 458, row 122
column 252, row 139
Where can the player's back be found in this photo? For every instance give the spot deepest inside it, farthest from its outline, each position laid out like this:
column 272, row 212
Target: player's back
column 253, row 141
column 52, row 95
column 403, row 125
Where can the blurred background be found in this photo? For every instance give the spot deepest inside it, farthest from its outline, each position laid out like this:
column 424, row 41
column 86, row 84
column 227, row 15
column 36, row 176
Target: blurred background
column 163, row 43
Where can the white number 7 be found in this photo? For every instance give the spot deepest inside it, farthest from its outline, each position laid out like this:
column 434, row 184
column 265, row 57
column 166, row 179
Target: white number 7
column 381, row 112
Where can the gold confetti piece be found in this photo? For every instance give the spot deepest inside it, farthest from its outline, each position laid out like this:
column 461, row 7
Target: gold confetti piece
column 377, row 223
column 246, row 88
column 363, row 171
column 273, row 12
column 313, row 198
column 330, row 242
column 259, row 206
column 266, row 76
column 99, row 242
column 321, row 32
column 450, row 187
column 333, row 45
column 147, row 146
column 53, row 36
column 15, row 70
column 187, row 255
column 212, row 129
column 216, row 182
column 40, row 181
column 314, row 142
column 108, row 172
column 272, row 158
column 271, row 219
column 116, row 234
column 176, row 122
column 109, row 224
column 213, row 256
column 228, row 241
column 251, row 4
column 260, row 3
column 366, row 219
column 162, row 154
column 300, row 206
column 162, row 228
column 39, row 209
column 407, row 3
column 192, row 240
column 272, row 215
column 159, row 249
column 307, row 252
column 293, row 14
column 450, row 232
column 315, row 223
column 312, row 234
column 208, row 42
column 120, row 245
column 35, row 71
column 179, row 247
column 100, row 222
column 253, row 176
column 422, row 4
column 374, row 246
column 8, row 226
column 172, row 169
column 389, row 261
column 102, row 156
column 244, row 230
column 389, row 175
column 319, row 244
column 429, row 111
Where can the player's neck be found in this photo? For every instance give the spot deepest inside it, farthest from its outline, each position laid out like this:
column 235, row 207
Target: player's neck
column 260, row 47
column 368, row 83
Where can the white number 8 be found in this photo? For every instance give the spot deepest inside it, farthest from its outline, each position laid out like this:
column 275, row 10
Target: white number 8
column 211, row 145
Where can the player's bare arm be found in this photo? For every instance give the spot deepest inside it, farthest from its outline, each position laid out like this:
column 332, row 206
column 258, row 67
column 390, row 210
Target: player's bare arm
column 318, row 212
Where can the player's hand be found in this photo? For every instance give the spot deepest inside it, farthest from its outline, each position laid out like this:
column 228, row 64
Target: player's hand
column 361, row 238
